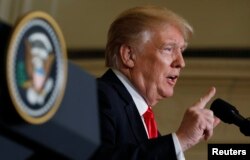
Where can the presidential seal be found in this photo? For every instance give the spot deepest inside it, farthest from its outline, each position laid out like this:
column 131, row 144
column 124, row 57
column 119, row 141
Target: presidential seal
column 36, row 67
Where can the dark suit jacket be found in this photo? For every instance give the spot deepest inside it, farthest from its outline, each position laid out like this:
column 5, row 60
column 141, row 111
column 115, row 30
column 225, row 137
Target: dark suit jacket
column 122, row 131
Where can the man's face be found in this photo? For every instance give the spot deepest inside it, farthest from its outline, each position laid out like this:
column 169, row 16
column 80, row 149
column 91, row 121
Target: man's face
column 158, row 63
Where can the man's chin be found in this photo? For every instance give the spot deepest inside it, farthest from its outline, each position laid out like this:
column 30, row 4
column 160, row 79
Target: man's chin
column 168, row 93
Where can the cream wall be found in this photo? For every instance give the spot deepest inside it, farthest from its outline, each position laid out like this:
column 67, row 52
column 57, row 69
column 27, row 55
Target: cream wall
column 217, row 23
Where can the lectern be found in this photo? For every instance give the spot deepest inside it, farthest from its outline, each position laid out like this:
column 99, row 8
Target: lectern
column 72, row 131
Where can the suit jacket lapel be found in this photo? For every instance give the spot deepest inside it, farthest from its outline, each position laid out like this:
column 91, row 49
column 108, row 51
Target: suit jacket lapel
column 136, row 122
column 133, row 115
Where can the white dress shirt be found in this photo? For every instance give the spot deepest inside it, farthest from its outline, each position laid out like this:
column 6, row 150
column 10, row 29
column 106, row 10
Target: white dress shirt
column 142, row 107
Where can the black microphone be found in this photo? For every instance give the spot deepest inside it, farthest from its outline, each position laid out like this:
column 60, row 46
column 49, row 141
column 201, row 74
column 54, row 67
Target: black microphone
column 229, row 114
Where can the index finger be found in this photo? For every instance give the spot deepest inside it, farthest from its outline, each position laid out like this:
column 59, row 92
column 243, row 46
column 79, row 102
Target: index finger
column 206, row 98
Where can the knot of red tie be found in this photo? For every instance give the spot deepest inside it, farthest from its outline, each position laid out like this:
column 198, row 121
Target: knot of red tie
column 150, row 123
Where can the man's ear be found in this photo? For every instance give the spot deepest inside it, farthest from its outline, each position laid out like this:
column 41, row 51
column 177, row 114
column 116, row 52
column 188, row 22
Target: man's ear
column 127, row 56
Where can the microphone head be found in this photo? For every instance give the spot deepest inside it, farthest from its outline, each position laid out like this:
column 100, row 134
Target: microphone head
column 225, row 111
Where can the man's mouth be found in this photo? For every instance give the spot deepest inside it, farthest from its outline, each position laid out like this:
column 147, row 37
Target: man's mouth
column 172, row 79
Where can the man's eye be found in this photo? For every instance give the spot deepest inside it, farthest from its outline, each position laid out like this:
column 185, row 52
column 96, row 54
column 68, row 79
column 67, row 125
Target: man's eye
column 168, row 49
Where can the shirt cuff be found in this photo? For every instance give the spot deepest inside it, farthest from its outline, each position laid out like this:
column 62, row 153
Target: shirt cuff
column 178, row 149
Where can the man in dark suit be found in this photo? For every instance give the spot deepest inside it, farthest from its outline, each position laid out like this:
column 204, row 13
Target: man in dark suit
column 144, row 54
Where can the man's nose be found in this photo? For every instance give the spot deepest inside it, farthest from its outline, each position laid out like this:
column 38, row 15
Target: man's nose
column 179, row 61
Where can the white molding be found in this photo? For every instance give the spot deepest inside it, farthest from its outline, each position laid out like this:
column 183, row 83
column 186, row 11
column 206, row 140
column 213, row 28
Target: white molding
column 54, row 8
column 5, row 6
column 14, row 11
column 26, row 6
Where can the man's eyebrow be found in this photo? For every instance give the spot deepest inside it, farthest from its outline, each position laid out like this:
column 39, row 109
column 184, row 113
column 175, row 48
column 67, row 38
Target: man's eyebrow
column 168, row 44
column 184, row 46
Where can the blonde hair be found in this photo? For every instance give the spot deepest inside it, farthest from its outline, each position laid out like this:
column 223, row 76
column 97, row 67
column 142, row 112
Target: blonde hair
column 130, row 25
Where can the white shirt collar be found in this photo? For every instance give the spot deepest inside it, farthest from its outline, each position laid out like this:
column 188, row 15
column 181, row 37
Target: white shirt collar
column 140, row 103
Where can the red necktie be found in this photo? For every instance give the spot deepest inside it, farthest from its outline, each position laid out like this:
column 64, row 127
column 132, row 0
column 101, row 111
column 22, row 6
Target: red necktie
column 150, row 123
